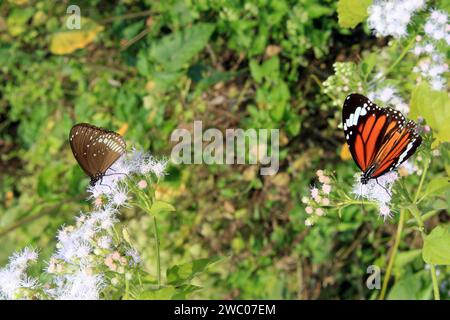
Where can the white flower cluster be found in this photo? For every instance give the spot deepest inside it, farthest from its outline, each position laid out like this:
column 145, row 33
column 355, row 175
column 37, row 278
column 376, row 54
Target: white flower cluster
column 408, row 167
column 344, row 81
column 378, row 190
column 391, row 18
column 13, row 277
column 319, row 200
column 136, row 162
column 83, row 284
column 389, row 95
column 433, row 69
column 87, row 248
column 432, row 64
column 437, row 26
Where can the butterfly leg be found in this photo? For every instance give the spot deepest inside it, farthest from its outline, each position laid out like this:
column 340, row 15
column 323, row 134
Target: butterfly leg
column 113, row 174
column 387, row 191
column 101, row 184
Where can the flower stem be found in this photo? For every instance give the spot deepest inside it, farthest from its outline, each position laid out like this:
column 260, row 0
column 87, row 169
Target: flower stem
column 416, row 213
column 127, row 289
column 319, row 83
column 158, row 257
column 422, row 179
column 398, row 237
column 437, row 295
column 400, row 58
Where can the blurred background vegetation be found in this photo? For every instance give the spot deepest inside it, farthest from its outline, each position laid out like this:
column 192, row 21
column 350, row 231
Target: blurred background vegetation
column 145, row 68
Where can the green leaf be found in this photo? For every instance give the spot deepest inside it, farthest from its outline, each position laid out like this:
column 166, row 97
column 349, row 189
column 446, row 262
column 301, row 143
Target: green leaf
column 177, row 49
column 437, row 186
column 404, row 258
column 142, row 63
column 179, row 274
column 368, row 64
column 18, row 19
column 256, row 71
column 316, row 10
column 436, row 247
column 184, row 291
column 161, row 206
column 165, row 293
column 352, row 12
column 433, row 106
column 166, row 79
column 271, row 68
column 412, row 287
column 293, row 125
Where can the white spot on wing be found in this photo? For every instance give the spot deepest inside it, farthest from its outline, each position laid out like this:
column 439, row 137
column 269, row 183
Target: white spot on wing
column 351, row 120
column 355, row 119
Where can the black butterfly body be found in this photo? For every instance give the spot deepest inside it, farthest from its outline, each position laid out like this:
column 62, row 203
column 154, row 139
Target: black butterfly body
column 95, row 149
column 379, row 139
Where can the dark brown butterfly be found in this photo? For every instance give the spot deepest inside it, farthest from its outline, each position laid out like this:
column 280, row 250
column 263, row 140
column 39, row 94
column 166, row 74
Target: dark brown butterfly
column 95, row 149
column 379, row 139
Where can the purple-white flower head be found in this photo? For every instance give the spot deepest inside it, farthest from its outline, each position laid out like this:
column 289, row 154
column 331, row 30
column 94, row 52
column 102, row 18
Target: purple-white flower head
column 120, row 196
column 99, row 189
column 104, row 242
column 10, row 281
column 408, row 167
column 389, row 95
column 433, row 68
column 385, row 211
column 19, row 260
column 134, row 255
column 123, row 166
column 104, row 218
column 13, row 276
column 159, row 168
column 437, row 27
column 82, row 285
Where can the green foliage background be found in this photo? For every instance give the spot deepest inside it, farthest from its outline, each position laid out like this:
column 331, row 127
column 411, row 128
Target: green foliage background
column 155, row 66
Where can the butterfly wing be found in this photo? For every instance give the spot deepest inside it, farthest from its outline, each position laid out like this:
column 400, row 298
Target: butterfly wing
column 397, row 148
column 95, row 149
column 377, row 136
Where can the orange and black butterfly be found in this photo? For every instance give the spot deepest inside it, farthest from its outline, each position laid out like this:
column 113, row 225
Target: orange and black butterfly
column 380, row 139
column 96, row 149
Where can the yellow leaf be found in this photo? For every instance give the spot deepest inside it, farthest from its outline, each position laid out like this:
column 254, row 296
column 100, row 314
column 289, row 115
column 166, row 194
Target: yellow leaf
column 123, row 129
column 345, row 152
column 66, row 42
column 19, row 2
column 9, row 197
column 281, row 179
